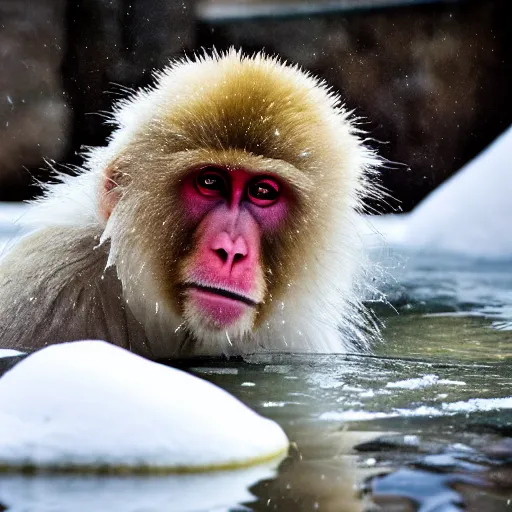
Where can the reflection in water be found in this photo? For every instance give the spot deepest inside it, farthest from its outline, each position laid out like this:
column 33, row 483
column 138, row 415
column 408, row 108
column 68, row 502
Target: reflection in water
column 474, row 474
column 175, row 493
column 308, row 486
column 426, row 490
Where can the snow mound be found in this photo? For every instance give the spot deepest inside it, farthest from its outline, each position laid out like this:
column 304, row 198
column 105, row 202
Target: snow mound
column 90, row 405
column 7, row 352
column 469, row 214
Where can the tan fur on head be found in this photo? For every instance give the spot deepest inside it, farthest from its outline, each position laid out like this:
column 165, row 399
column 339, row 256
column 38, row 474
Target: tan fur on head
column 251, row 112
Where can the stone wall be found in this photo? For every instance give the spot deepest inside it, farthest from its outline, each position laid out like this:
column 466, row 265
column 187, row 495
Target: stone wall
column 62, row 63
column 431, row 83
column 113, row 46
column 34, row 112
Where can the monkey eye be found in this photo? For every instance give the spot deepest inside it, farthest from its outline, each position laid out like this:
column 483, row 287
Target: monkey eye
column 263, row 191
column 211, row 183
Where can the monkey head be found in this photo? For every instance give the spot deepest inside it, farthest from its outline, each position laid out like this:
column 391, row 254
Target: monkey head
column 228, row 198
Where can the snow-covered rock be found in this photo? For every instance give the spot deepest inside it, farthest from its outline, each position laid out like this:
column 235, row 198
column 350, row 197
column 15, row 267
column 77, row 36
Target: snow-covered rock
column 469, row 214
column 90, row 404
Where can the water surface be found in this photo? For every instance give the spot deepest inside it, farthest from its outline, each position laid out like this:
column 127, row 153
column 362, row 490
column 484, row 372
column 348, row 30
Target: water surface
column 424, row 423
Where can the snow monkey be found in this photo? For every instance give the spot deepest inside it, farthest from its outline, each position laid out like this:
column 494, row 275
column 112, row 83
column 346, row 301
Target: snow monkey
column 221, row 218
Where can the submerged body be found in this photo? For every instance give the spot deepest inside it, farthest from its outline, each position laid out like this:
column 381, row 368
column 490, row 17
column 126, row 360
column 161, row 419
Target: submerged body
column 220, row 219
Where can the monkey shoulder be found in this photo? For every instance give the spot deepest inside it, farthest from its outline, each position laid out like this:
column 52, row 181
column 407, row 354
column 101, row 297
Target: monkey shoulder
column 55, row 287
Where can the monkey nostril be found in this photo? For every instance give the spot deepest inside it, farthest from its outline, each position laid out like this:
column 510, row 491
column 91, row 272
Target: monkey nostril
column 222, row 254
column 238, row 257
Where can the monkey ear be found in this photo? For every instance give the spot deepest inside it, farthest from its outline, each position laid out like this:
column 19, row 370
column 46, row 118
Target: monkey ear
column 111, row 190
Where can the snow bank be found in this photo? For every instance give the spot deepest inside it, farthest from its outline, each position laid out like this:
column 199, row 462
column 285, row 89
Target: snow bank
column 10, row 214
column 7, row 352
column 469, row 214
column 472, row 211
column 12, row 226
column 90, row 404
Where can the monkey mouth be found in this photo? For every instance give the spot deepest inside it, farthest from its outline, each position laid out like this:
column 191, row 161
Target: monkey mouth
column 228, row 294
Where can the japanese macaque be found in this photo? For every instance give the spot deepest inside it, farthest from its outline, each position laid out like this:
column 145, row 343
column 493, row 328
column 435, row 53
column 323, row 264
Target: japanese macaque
column 221, row 218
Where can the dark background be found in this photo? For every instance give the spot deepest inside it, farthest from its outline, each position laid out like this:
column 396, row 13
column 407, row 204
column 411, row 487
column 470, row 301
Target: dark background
column 432, row 79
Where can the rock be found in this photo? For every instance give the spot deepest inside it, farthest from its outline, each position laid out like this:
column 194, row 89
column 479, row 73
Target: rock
column 90, row 405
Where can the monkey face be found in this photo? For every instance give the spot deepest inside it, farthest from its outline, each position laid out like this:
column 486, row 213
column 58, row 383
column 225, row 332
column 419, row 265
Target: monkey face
column 223, row 286
column 205, row 237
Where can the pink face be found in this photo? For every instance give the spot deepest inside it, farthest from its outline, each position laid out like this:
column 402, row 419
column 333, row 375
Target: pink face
column 232, row 209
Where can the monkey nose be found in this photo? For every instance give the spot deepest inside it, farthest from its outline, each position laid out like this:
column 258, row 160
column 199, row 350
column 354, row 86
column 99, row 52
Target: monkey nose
column 239, row 249
column 229, row 252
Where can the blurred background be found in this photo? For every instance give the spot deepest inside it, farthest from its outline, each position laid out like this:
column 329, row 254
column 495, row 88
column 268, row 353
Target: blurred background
column 431, row 79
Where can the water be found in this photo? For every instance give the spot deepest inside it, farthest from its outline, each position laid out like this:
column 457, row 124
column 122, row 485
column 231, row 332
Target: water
column 425, row 423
